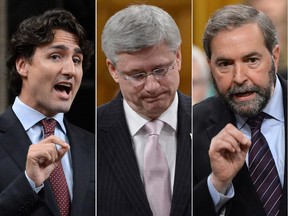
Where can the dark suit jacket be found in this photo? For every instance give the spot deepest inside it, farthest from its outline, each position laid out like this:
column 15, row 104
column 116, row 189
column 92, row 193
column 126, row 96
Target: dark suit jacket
column 16, row 195
column 209, row 118
column 119, row 185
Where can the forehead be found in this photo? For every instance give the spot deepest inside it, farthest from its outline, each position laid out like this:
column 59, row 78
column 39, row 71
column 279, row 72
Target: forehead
column 243, row 39
column 155, row 55
column 64, row 37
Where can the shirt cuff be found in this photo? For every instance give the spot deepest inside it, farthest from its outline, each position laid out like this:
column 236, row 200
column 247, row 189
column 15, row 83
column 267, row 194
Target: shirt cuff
column 32, row 184
column 220, row 199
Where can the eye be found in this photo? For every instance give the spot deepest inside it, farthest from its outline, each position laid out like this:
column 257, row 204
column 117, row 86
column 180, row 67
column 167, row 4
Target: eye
column 77, row 60
column 253, row 60
column 159, row 71
column 223, row 64
column 138, row 76
column 55, row 56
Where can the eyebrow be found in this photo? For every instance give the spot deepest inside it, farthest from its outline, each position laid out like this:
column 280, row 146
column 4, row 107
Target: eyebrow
column 63, row 47
column 253, row 53
column 220, row 59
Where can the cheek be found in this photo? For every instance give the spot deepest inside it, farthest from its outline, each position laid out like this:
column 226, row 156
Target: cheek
column 128, row 91
column 78, row 78
column 223, row 82
column 263, row 82
column 174, row 81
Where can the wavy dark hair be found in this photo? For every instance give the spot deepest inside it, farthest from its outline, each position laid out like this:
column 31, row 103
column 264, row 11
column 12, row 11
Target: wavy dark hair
column 39, row 30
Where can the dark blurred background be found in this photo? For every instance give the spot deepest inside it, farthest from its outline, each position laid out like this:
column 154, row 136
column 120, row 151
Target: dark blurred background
column 82, row 112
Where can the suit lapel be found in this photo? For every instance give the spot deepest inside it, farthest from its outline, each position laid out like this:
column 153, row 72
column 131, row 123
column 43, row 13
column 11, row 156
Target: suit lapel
column 219, row 120
column 81, row 171
column 121, row 157
column 182, row 183
column 245, row 188
column 242, row 179
column 16, row 143
column 242, row 183
column 283, row 207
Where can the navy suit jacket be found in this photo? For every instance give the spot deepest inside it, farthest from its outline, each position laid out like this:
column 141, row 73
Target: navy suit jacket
column 119, row 185
column 17, row 196
column 210, row 117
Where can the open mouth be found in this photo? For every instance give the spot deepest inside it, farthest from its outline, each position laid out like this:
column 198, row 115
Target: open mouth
column 243, row 94
column 63, row 88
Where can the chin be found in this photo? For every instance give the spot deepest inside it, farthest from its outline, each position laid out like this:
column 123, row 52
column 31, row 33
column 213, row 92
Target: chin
column 155, row 113
column 62, row 108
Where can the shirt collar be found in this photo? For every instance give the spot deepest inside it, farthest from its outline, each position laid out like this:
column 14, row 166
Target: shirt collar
column 136, row 121
column 274, row 107
column 29, row 116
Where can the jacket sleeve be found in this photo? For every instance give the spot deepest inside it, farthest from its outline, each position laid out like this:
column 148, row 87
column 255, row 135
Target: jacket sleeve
column 202, row 201
column 18, row 198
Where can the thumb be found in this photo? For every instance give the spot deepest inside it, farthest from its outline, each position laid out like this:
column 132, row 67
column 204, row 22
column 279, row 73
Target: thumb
column 62, row 150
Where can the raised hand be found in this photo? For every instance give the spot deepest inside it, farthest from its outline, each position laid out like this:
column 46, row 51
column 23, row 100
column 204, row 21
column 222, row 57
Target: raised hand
column 227, row 154
column 43, row 157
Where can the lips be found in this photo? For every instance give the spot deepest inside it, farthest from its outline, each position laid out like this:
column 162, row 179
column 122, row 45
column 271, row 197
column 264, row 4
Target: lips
column 243, row 96
column 63, row 89
column 151, row 99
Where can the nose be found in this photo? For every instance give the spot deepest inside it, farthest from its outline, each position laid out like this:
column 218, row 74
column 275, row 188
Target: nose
column 240, row 75
column 151, row 84
column 69, row 68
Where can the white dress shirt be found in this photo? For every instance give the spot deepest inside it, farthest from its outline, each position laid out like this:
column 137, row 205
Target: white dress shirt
column 167, row 138
column 29, row 119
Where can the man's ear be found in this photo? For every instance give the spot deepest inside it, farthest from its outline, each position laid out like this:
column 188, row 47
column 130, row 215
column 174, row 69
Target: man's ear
column 112, row 70
column 178, row 59
column 276, row 56
column 22, row 66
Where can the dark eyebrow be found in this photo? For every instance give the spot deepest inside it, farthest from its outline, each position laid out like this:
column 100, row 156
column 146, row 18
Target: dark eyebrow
column 63, row 47
column 249, row 55
column 220, row 59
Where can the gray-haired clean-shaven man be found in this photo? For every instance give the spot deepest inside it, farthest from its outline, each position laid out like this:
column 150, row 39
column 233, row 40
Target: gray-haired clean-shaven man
column 139, row 172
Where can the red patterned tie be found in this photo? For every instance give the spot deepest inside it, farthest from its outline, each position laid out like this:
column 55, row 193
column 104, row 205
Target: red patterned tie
column 262, row 168
column 57, row 178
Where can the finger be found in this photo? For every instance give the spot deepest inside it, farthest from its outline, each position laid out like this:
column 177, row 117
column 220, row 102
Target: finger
column 228, row 147
column 222, row 146
column 58, row 151
column 246, row 147
column 62, row 151
column 231, row 141
column 237, row 135
column 47, row 157
column 56, row 140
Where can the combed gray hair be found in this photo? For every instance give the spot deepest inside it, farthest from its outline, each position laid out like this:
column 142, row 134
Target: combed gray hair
column 137, row 27
column 234, row 16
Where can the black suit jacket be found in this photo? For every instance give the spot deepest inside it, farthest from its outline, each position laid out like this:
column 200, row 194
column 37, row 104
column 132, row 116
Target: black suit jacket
column 119, row 185
column 210, row 117
column 16, row 195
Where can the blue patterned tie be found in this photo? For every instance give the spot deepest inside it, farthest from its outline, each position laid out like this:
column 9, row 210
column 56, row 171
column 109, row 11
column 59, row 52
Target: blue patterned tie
column 262, row 168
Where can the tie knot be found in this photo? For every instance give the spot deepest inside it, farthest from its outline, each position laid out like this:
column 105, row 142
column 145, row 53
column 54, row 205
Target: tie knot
column 154, row 127
column 255, row 122
column 48, row 126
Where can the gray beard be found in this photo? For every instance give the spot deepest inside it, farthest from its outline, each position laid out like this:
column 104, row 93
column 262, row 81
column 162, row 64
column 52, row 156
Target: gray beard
column 249, row 108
